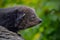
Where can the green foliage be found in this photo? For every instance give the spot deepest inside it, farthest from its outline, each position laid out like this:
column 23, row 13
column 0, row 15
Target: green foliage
column 48, row 11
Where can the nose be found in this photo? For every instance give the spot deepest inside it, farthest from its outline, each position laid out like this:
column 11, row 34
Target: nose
column 40, row 20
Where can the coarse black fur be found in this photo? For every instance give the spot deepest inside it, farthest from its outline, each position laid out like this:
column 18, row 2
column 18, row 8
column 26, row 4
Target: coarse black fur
column 17, row 18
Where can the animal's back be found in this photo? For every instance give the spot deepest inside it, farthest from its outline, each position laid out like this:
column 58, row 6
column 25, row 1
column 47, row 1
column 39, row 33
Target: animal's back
column 6, row 10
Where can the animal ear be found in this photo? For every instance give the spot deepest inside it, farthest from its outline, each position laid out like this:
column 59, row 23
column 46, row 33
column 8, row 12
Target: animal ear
column 19, row 14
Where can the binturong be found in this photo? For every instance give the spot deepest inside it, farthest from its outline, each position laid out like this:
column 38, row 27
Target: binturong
column 18, row 18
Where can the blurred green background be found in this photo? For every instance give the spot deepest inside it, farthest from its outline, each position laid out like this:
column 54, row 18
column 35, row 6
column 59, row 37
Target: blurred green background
column 48, row 11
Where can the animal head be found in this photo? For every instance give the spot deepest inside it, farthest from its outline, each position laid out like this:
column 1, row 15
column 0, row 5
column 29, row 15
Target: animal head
column 29, row 19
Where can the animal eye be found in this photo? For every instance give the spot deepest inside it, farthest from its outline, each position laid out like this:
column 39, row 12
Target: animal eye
column 32, row 19
column 33, row 16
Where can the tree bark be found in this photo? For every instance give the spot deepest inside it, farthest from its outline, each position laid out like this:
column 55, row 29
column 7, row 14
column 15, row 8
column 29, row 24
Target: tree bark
column 5, row 34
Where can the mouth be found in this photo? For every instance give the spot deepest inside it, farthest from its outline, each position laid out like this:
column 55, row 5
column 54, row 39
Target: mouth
column 23, row 28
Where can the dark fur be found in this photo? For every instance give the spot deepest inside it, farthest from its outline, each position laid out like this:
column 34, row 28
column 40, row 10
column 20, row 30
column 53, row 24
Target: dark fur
column 17, row 18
